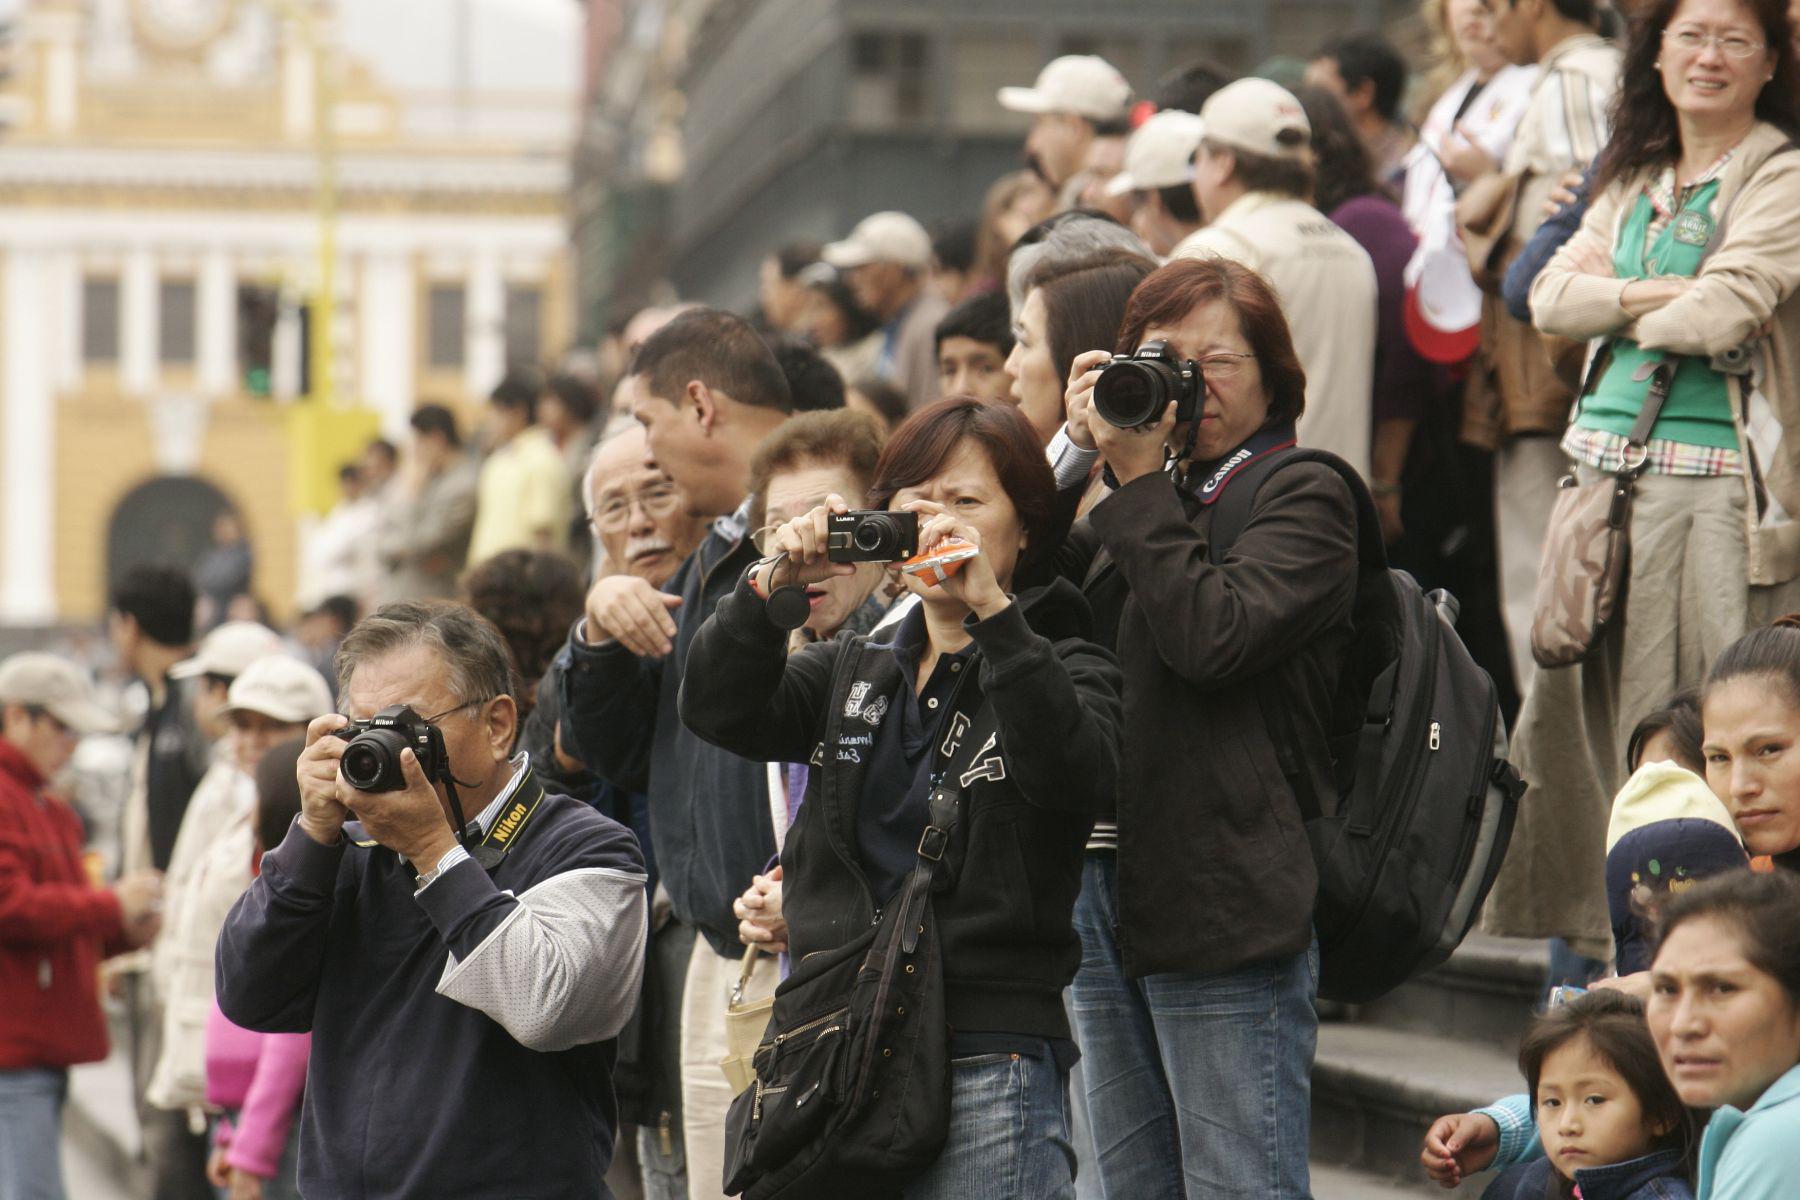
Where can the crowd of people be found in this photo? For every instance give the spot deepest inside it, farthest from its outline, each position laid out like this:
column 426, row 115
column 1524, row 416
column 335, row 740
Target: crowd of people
column 845, row 748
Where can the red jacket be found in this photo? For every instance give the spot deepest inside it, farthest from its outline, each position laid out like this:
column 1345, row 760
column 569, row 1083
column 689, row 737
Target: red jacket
column 55, row 927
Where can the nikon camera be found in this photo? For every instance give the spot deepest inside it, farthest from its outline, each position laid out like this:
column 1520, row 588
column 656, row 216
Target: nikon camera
column 371, row 762
column 871, row 535
column 1134, row 389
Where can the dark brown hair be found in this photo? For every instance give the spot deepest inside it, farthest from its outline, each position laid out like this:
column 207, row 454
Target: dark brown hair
column 1265, row 172
column 277, row 791
column 833, row 438
column 930, row 437
column 722, row 351
column 1679, row 717
column 1175, row 290
column 1772, row 652
column 532, row 598
column 1764, row 909
column 1343, row 170
column 1084, row 301
column 1645, row 134
column 1613, row 1025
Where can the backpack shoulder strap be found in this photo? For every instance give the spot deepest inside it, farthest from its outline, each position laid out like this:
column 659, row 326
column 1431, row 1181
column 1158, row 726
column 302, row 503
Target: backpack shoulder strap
column 1231, row 511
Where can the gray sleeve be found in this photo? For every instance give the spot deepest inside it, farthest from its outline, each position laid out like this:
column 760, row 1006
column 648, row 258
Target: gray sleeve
column 563, row 968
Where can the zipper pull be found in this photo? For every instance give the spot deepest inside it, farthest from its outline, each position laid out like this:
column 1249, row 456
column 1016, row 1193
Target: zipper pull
column 665, row 1133
column 756, row 1104
column 1436, row 739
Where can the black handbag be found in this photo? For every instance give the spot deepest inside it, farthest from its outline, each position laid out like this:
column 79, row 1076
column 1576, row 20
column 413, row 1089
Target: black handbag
column 852, row 1090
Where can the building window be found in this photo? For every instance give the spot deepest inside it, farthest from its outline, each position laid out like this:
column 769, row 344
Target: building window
column 980, row 65
column 445, row 322
column 888, row 79
column 524, row 326
column 175, row 321
column 100, row 321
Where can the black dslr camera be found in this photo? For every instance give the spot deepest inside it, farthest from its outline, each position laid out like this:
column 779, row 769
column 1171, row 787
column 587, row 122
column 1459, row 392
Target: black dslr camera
column 371, row 762
column 1134, row 389
column 871, row 535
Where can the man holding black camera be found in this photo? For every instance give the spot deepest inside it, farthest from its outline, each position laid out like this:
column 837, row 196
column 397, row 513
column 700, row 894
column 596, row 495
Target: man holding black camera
column 462, row 984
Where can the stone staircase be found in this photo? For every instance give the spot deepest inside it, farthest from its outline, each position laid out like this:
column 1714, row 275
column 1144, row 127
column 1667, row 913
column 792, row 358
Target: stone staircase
column 1445, row 1042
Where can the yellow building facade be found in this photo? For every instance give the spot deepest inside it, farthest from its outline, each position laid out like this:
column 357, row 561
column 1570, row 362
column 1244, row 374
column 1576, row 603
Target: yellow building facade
column 160, row 233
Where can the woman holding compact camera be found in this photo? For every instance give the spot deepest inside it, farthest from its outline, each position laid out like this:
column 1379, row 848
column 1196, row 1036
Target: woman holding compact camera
column 1194, row 1002
column 1006, row 689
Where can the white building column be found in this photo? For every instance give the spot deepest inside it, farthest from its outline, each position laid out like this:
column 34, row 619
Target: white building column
column 27, row 443
column 60, row 34
column 387, row 338
column 217, row 302
column 486, row 328
column 138, row 323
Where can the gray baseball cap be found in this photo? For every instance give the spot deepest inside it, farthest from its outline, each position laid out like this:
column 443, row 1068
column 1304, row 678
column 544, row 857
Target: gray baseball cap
column 57, row 686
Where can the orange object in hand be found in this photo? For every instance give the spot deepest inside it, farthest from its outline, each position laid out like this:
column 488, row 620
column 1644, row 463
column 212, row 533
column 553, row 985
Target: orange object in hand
column 941, row 561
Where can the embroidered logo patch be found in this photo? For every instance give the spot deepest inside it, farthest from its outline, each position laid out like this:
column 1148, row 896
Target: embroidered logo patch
column 991, row 768
column 876, row 711
column 858, row 693
column 1692, row 228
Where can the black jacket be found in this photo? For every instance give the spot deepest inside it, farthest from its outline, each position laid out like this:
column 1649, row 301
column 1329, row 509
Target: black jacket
column 1050, row 697
column 1214, row 867
column 709, row 809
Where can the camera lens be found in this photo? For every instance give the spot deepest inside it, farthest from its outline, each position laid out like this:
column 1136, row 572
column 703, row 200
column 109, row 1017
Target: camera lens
column 371, row 763
column 1133, row 393
column 871, row 535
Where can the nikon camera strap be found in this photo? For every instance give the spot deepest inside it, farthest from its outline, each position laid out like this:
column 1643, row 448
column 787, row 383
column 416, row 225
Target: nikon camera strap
column 498, row 841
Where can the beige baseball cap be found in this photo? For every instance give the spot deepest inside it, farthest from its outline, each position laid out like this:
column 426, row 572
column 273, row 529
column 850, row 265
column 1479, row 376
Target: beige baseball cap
column 1257, row 115
column 882, row 237
column 228, row 650
column 282, row 688
column 57, row 686
column 1160, row 153
column 1083, row 84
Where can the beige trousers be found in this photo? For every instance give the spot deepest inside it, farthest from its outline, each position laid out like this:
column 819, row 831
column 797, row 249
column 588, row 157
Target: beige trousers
column 1686, row 599
column 705, row 1095
column 1525, row 474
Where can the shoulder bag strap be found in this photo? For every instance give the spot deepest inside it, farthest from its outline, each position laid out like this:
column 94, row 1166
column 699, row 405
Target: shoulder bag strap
column 945, row 803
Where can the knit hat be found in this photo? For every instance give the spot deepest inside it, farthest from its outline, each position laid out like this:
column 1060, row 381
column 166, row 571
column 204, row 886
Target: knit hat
column 1667, row 831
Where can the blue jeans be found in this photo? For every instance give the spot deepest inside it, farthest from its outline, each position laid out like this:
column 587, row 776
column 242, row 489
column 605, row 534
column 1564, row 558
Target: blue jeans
column 31, row 1134
column 1009, row 1133
column 1198, row 1085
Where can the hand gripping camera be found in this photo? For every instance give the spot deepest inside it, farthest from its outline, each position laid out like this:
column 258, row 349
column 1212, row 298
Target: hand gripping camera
column 1134, row 389
column 371, row 762
column 871, row 535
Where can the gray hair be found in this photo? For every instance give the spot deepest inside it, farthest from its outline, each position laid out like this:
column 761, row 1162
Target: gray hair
column 481, row 667
column 1073, row 240
column 617, row 427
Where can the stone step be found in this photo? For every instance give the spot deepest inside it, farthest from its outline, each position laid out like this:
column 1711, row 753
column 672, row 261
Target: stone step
column 1376, row 1090
column 1342, row 1183
column 1486, row 992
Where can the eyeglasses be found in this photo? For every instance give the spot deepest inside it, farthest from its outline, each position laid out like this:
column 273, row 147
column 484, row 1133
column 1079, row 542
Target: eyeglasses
column 1224, row 365
column 615, row 514
column 433, row 720
column 1733, row 44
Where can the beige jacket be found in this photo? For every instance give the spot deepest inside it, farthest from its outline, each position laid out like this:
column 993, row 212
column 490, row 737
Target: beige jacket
column 1751, row 275
column 1326, row 284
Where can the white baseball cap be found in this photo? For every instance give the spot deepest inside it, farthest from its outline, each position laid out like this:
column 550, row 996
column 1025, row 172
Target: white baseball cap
column 228, row 650
column 882, row 237
column 1083, row 84
column 1259, row 116
column 1160, row 153
column 57, row 686
column 282, row 688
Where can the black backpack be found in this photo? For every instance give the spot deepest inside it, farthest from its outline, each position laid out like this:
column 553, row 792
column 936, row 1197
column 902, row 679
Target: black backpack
column 1410, row 845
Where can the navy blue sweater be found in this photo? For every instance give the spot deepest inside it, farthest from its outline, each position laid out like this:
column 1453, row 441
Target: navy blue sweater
column 462, row 1037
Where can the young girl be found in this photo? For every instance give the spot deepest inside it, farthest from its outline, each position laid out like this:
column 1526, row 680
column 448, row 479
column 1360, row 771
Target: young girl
column 1611, row 1124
